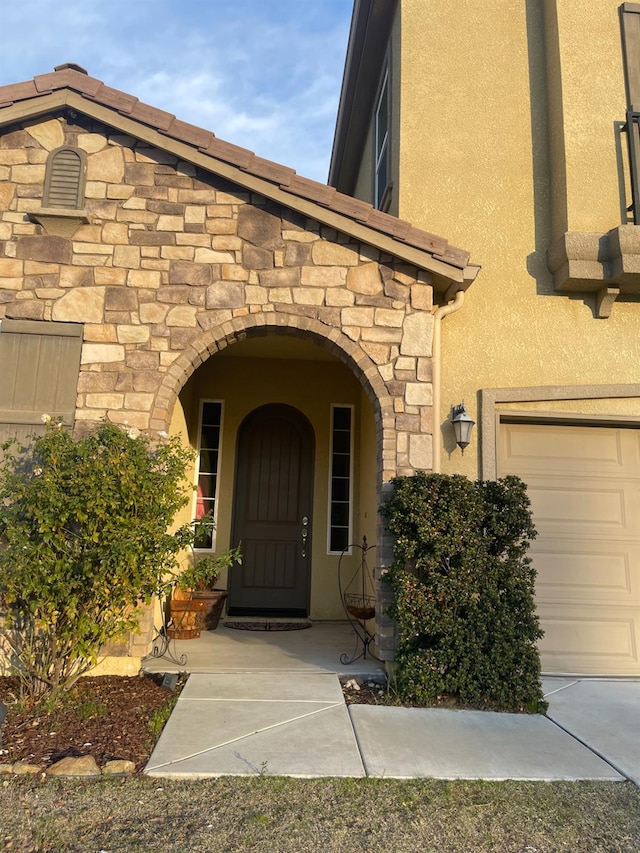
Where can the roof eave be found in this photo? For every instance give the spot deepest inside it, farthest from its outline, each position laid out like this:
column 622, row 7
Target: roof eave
column 371, row 24
column 443, row 275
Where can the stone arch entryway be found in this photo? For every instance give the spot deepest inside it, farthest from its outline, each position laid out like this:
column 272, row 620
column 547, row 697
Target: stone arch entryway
column 260, row 325
column 328, row 378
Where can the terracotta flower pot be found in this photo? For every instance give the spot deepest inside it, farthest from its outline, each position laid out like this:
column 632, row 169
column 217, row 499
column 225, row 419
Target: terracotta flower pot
column 185, row 616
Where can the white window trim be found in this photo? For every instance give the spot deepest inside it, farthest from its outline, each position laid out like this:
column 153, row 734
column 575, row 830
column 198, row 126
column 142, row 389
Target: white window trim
column 351, row 477
column 194, row 506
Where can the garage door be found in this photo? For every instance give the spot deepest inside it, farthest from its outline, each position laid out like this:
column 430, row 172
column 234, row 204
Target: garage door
column 584, row 485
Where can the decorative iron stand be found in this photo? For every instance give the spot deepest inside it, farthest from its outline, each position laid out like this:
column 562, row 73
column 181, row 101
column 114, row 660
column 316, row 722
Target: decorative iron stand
column 359, row 606
column 162, row 641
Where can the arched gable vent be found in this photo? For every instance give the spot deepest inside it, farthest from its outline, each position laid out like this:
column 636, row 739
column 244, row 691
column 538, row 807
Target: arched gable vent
column 64, row 179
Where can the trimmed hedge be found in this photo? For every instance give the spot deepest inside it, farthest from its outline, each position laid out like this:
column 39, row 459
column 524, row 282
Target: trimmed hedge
column 464, row 592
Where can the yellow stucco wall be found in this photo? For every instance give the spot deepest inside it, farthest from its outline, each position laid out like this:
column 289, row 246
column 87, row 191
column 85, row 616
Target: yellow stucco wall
column 583, row 43
column 500, row 164
column 310, row 385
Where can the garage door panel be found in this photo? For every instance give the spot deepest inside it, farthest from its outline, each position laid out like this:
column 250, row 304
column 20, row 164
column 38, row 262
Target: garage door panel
column 582, row 640
column 580, row 504
column 573, row 572
column 561, row 449
column 584, row 486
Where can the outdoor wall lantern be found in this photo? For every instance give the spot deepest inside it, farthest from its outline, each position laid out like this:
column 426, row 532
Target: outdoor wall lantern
column 462, row 426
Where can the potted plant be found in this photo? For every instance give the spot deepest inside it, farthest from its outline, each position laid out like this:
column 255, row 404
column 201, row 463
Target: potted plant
column 198, row 583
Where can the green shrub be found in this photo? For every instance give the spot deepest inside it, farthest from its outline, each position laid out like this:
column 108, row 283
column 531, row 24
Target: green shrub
column 84, row 542
column 464, row 592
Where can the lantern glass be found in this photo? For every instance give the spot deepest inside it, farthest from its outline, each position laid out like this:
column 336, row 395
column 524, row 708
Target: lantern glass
column 462, row 426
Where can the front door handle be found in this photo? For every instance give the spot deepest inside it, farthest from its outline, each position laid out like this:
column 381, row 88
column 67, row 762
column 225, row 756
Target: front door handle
column 305, row 534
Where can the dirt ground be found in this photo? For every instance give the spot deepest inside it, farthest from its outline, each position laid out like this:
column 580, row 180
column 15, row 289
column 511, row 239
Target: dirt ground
column 107, row 717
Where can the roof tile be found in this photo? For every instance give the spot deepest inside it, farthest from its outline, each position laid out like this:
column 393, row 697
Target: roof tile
column 152, row 116
column 189, row 133
column 313, row 190
column 390, row 224
column 271, row 171
column 68, row 78
column 242, row 158
column 48, row 82
column 115, row 99
column 229, row 152
column 451, row 255
column 424, row 240
column 349, row 206
column 17, row 92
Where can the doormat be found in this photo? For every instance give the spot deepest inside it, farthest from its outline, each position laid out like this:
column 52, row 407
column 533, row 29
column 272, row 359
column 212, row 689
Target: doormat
column 266, row 625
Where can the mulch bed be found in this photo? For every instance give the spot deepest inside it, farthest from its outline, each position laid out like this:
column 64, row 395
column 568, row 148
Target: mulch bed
column 106, row 716
column 363, row 691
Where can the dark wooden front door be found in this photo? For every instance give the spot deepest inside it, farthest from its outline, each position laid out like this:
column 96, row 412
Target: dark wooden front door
column 272, row 513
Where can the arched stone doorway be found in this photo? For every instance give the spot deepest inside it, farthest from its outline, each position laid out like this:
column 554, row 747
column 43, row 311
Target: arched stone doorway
column 273, row 367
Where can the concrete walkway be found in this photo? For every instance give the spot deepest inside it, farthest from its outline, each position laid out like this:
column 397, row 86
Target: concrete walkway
column 279, row 711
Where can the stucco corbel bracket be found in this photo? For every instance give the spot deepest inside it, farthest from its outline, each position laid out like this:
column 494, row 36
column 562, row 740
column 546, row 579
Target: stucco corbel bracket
column 605, row 299
column 59, row 222
column 605, row 264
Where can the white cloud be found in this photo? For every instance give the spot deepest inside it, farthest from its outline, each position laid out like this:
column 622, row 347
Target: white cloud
column 264, row 75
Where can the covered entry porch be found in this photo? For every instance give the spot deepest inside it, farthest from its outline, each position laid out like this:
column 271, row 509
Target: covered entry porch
column 287, row 460
column 313, row 650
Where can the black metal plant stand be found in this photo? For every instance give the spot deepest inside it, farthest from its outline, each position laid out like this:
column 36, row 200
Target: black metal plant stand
column 359, row 605
column 161, row 647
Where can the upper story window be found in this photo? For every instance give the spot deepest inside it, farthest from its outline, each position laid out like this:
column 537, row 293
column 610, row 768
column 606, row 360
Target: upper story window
column 381, row 171
column 64, row 179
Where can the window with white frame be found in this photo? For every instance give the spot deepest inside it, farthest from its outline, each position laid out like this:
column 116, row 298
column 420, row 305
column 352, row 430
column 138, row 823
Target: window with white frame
column 340, row 479
column 208, row 471
column 381, row 127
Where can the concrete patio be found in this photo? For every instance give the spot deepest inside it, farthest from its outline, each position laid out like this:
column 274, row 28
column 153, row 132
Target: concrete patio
column 317, row 649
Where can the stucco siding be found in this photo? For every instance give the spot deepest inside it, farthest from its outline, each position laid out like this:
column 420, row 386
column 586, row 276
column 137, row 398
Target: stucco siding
column 506, row 143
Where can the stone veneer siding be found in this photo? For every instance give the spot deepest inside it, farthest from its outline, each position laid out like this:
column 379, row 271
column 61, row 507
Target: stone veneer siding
column 175, row 263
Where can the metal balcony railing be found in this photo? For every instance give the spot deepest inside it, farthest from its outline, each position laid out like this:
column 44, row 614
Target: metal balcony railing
column 633, row 139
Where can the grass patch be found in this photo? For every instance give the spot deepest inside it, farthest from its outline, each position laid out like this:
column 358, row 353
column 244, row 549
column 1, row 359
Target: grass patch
column 158, row 718
column 275, row 813
column 90, row 709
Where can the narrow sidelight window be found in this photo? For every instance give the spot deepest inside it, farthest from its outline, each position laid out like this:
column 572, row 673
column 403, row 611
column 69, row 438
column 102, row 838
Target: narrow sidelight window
column 208, row 473
column 340, row 478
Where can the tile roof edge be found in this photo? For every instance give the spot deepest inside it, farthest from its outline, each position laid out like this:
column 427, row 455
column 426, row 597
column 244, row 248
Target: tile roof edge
column 279, row 175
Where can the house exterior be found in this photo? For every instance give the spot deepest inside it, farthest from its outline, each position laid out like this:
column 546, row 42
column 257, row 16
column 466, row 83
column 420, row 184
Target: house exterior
column 157, row 276
column 512, row 128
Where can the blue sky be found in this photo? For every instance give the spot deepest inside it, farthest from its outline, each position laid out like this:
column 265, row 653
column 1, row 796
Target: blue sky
column 264, row 74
